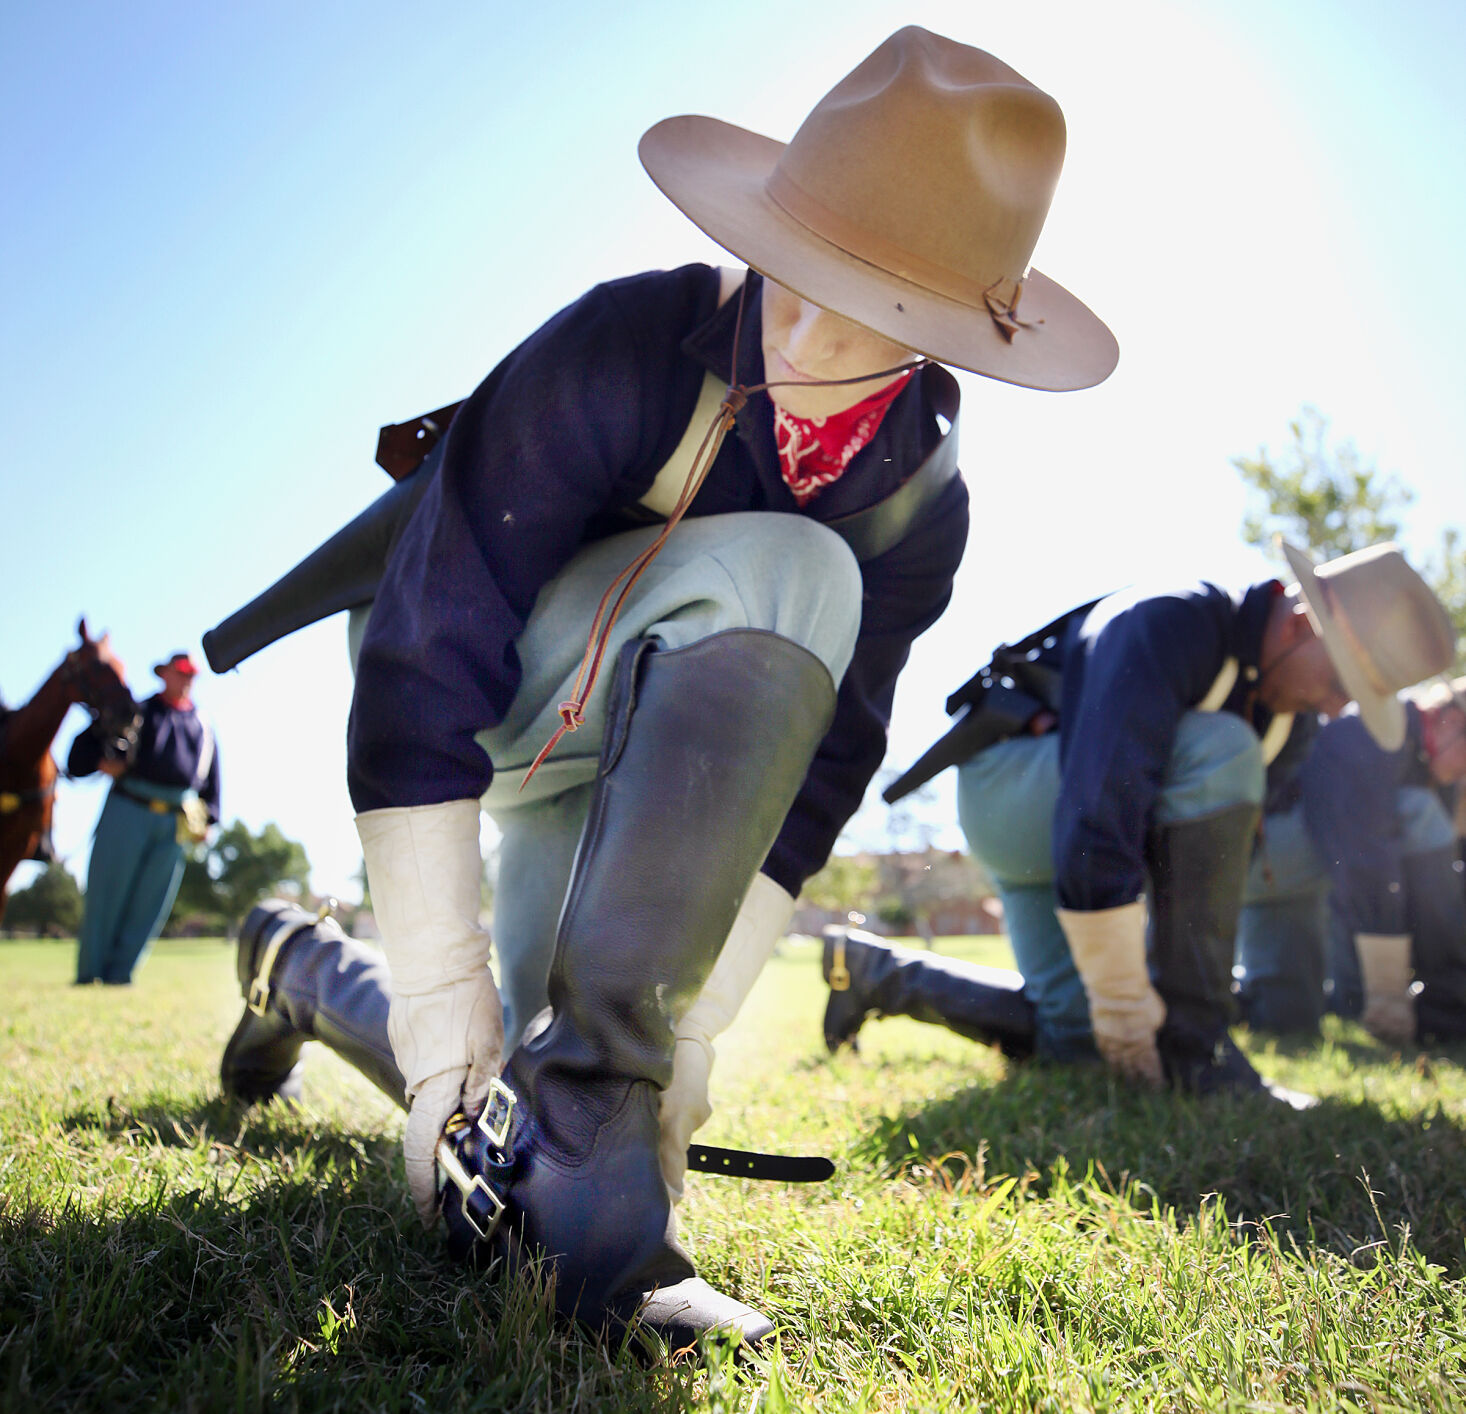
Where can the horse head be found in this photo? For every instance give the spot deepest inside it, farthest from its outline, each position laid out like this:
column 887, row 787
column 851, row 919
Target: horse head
column 94, row 676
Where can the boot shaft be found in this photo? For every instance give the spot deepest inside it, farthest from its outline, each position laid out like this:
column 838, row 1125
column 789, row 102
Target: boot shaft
column 692, row 789
column 1197, row 872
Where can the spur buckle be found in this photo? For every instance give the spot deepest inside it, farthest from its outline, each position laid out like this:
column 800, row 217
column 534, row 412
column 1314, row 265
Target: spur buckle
column 483, row 1208
column 839, row 973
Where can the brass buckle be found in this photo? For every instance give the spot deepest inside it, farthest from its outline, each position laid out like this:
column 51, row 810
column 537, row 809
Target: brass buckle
column 259, row 987
column 839, row 973
column 501, row 1103
column 493, row 1122
column 468, row 1184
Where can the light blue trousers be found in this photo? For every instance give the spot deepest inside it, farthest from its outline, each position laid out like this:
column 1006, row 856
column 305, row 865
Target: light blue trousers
column 783, row 573
column 1006, row 797
column 1290, row 953
column 133, row 876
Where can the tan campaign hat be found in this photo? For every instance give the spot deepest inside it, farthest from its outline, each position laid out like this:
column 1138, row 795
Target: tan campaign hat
column 1383, row 627
column 909, row 201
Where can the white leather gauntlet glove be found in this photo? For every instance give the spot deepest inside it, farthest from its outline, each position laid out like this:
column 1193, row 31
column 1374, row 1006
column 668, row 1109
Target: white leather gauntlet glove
column 1125, row 1011
column 762, row 920
column 445, row 1023
column 1384, row 965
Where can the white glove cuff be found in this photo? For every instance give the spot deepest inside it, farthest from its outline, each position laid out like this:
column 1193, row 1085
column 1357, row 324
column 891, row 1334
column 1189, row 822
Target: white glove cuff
column 423, row 867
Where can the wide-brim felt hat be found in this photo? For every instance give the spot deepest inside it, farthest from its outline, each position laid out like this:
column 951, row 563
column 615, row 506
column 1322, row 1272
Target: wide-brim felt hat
column 179, row 662
column 1382, row 626
column 909, row 201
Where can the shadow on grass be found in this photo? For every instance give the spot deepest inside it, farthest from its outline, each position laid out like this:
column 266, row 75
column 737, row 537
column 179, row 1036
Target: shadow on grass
column 1343, row 1176
column 309, row 1295
column 264, row 1130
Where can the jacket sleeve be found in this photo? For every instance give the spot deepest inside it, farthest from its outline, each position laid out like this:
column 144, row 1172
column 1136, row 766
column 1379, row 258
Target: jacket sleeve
column 85, row 754
column 209, row 790
column 1144, row 662
column 535, row 452
column 1349, row 789
column 904, row 593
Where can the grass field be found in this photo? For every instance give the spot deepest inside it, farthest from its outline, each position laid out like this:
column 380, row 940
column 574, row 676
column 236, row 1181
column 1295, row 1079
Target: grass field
column 997, row 1236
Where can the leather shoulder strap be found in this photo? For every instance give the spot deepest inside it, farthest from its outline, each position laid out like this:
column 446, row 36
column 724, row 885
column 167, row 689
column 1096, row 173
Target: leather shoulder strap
column 667, row 487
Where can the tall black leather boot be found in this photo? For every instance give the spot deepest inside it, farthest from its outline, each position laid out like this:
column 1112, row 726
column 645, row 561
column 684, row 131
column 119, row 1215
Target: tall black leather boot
column 1197, row 872
column 1435, row 900
column 705, row 749
column 867, row 974
column 304, row 980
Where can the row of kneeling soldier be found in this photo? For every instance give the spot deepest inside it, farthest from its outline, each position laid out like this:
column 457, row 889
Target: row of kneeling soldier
column 1120, row 807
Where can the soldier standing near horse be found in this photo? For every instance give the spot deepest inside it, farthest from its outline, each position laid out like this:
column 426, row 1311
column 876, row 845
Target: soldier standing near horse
column 1115, row 803
column 163, row 797
column 751, row 655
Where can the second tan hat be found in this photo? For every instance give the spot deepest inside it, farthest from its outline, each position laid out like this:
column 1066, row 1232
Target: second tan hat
column 1382, row 626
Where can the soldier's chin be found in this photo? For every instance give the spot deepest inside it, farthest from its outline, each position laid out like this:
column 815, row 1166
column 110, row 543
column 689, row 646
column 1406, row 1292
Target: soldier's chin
column 814, row 400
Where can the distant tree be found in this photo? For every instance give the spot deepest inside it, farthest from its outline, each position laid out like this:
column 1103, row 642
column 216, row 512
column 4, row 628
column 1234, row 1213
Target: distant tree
column 1321, row 496
column 224, row 879
column 50, row 906
column 848, row 881
column 1330, row 500
column 1446, row 572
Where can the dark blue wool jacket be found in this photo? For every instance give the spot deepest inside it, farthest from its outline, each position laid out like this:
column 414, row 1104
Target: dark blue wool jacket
column 548, row 454
column 169, row 744
column 1348, row 789
column 1131, row 667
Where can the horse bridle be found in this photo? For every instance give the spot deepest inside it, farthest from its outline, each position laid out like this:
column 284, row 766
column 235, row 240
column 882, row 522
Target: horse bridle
column 114, row 710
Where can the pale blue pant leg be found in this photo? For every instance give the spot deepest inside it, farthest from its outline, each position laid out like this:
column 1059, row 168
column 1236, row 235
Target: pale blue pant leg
column 538, row 844
column 783, row 573
column 1424, row 828
column 1282, row 934
column 117, row 843
column 155, row 885
column 1216, row 765
column 1005, row 804
column 1006, row 797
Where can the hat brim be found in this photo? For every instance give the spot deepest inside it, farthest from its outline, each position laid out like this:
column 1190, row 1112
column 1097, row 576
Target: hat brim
column 1382, row 713
column 187, row 669
column 716, row 175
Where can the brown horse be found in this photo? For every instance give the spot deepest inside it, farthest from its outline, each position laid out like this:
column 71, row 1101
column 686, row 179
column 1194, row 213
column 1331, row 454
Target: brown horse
column 91, row 675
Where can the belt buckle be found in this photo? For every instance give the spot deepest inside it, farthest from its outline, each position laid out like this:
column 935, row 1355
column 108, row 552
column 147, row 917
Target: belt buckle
column 483, row 1208
column 159, row 807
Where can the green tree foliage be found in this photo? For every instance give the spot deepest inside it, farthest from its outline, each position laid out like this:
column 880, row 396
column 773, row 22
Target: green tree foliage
column 50, row 906
column 847, row 881
column 1321, row 496
column 1327, row 498
column 225, row 878
column 1446, row 571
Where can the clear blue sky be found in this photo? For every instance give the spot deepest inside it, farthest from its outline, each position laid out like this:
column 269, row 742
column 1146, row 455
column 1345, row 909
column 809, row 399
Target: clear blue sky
column 240, row 237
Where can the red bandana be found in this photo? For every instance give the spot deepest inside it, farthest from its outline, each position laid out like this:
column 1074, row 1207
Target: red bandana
column 814, row 451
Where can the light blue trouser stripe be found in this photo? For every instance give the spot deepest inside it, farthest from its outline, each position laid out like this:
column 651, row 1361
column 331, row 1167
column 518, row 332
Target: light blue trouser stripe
column 1005, row 802
column 1286, row 942
column 784, row 573
column 133, row 876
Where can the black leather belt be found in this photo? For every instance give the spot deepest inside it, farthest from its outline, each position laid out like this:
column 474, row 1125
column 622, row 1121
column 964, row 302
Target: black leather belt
column 744, row 1163
column 158, row 807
